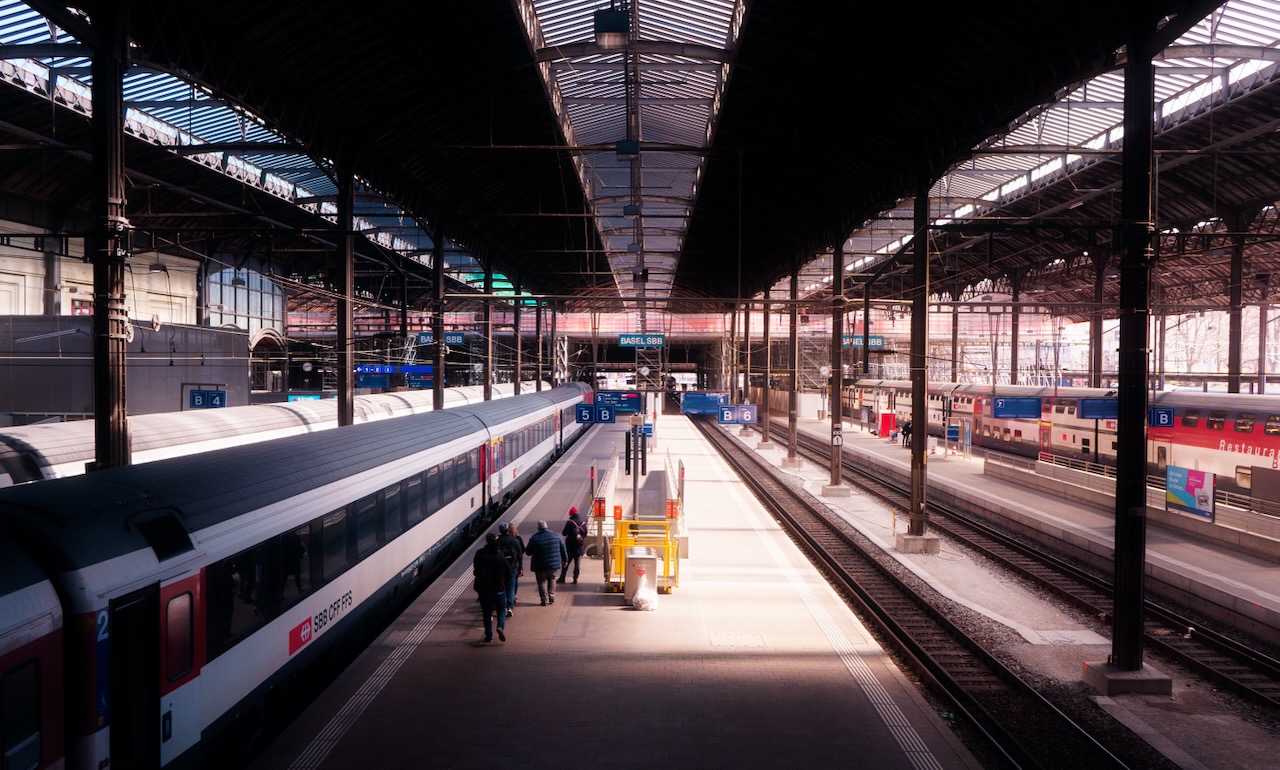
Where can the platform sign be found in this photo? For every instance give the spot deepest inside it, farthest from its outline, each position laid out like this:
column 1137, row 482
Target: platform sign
column 591, row 413
column 207, row 399
column 1160, row 417
column 703, row 403
column 303, row 398
column 738, row 414
column 953, row 433
column 1190, row 491
column 1099, row 408
column 418, row 381
column 375, row 369
column 456, row 339
column 874, row 341
column 1016, row 408
column 622, row 401
column 648, row 429
column 642, row 340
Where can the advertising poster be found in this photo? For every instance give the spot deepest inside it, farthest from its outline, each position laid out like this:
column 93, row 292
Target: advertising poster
column 1189, row 491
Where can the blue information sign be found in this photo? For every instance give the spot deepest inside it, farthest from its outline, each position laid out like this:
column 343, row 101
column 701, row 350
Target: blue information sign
column 207, row 399
column 737, row 414
column 450, row 338
column 1160, row 417
column 702, row 403
column 622, row 401
column 1099, row 408
column 642, row 340
column 874, row 341
column 1014, row 408
column 594, row 413
column 953, row 433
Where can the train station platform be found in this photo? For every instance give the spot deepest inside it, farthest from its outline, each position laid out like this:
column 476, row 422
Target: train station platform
column 1202, row 565
column 751, row 661
column 1198, row 726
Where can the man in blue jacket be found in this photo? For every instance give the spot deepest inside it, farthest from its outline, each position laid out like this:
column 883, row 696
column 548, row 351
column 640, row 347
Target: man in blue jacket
column 546, row 553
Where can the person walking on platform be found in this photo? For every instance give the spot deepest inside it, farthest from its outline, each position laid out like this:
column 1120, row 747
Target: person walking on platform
column 546, row 554
column 513, row 549
column 575, row 539
column 906, row 433
column 492, row 574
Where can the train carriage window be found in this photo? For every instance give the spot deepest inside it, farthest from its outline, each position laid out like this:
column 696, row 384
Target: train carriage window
column 366, row 525
column 431, row 502
column 179, row 649
column 20, row 710
column 334, row 538
column 1272, row 428
column 474, row 456
column 244, row 595
column 295, row 564
column 1191, row 418
column 1017, row 434
column 1217, row 420
column 392, row 518
column 1244, row 423
column 1005, row 434
column 446, row 483
column 461, row 474
column 1244, row 477
column 412, row 500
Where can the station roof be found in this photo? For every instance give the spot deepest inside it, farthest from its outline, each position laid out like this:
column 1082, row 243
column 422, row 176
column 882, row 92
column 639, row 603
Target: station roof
column 767, row 131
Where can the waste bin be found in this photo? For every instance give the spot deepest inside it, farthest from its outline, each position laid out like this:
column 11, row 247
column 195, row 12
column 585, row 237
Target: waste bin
column 642, row 561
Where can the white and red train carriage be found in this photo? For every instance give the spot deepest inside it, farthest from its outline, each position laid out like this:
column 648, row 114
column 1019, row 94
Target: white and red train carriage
column 165, row 614
column 1226, row 434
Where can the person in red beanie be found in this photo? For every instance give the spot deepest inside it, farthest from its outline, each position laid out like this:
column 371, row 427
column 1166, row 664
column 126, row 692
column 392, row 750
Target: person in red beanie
column 575, row 539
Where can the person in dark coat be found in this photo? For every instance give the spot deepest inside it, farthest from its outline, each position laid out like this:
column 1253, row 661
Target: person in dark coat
column 492, row 574
column 575, row 540
column 513, row 548
column 546, row 553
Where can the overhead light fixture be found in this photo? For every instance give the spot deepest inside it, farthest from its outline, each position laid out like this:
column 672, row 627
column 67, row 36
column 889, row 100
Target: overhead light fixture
column 633, row 247
column 236, row 280
column 627, row 149
column 612, row 28
column 157, row 267
column 631, row 210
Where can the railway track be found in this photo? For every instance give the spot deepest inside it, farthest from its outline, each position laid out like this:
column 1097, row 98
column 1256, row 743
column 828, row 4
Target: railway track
column 1213, row 654
column 1021, row 727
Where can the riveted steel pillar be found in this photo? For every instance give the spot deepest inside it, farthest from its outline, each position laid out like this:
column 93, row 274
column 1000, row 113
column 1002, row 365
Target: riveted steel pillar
column 537, row 333
column 746, row 352
column 1235, row 310
column 487, row 322
column 109, row 240
column 768, row 371
column 837, row 357
column 919, row 517
column 517, row 341
column 344, row 345
column 1135, row 274
column 437, row 322
column 793, row 398
column 1015, row 283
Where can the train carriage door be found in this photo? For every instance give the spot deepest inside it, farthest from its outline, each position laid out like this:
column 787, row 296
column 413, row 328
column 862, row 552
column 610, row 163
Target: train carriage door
column 133, row 632
column 1046, row 437
column 1161, row 453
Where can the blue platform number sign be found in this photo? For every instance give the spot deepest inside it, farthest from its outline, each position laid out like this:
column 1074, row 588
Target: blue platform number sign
column 747, row 414
column 728, row 415
column 207, row 399
column 738, row 414
column 953, row 433
column 1099, row 408
column 604, row 413
column 585, row 412
column 1160, row 417
column 1016, row 408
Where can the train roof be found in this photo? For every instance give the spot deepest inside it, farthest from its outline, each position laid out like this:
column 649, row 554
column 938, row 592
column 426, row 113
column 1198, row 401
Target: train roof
column 83, row 519
column 19, row 570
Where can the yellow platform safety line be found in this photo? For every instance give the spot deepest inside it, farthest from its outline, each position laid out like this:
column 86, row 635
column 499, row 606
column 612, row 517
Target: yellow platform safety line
column 658, row 535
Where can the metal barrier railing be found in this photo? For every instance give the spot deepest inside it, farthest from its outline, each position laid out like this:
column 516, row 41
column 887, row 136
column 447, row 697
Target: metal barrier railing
column 658, row 535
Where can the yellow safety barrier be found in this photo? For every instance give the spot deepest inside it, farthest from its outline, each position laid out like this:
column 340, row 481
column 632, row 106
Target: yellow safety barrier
column 658, row 535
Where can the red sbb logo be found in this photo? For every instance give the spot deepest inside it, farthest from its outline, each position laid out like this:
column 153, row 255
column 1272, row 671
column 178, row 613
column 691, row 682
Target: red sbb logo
column 299, row 636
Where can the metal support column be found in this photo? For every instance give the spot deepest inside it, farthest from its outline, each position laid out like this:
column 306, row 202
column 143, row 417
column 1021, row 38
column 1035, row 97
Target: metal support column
column 537, row 333
column 955, row 335
column 437, row 323
column 768, row 372
column 517, row 341
column 486, row 320
column 559, row 353
column 793, row 397
column 919, row 517
column 746, row 351
column 866, row 329
column 1135, row 274
column 345, row 343
column 1095, row 323
column 109, row 240
column 1015, row 283
column 837, row 372
column 1235, row 293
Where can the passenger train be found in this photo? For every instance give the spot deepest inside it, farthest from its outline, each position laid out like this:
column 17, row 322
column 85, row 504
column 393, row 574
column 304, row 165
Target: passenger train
column 1227, row 434
column 53, row 450
column 163, row 614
